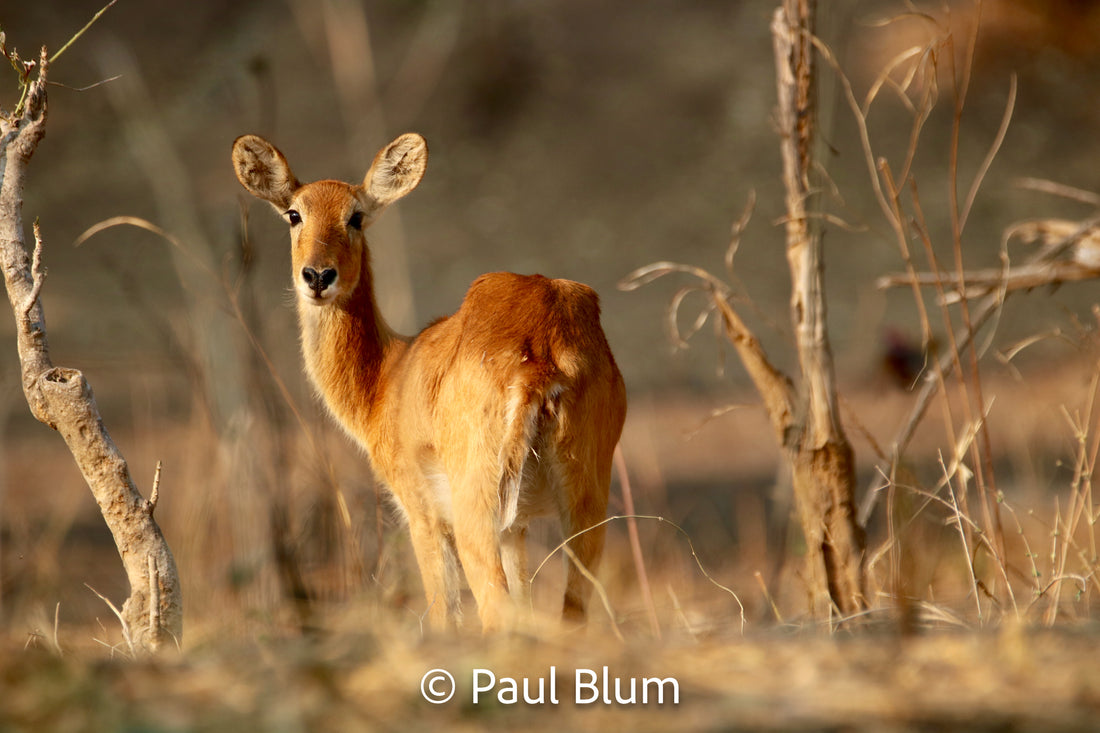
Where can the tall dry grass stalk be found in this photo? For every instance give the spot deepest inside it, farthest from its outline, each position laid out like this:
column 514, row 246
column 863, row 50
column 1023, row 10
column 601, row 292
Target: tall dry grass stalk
column 969, row 307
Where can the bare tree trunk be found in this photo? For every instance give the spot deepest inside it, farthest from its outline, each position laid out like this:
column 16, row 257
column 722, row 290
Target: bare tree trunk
column 821, row 457
column 61, row 397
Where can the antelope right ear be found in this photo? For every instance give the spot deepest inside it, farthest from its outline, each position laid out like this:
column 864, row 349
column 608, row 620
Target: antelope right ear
column 397, row 169
column 263, row 170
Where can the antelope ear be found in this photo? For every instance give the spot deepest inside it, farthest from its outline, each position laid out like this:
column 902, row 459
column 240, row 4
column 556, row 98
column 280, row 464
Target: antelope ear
column 396, row 169
column 263, row 170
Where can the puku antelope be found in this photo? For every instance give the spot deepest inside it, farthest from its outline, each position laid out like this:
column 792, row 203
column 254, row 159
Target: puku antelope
column 507, row 410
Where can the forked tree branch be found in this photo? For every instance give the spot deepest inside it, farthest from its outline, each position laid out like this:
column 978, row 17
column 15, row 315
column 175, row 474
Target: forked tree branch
column 775, row 387
column 804, row 415
column 821, row 457
column 62, row 398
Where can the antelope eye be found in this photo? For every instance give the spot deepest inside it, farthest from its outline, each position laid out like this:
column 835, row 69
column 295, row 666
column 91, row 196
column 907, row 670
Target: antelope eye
column 293, row 217
column 356, row 220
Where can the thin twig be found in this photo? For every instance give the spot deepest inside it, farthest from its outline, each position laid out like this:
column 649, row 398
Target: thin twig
column 980, row 282
column 87, row 87
column 154, row 494
column 80, row 32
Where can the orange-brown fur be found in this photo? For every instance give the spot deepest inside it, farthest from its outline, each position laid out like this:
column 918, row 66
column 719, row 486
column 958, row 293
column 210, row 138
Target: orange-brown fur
column 507, row 410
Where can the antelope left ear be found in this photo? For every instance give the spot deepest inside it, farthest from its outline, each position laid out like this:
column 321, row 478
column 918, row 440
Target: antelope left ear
column 397, row 169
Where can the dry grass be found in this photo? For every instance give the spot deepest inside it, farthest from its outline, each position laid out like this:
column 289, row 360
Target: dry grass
column 349, row 678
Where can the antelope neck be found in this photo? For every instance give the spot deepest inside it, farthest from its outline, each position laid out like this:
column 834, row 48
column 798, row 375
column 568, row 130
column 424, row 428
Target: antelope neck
column 347, row 347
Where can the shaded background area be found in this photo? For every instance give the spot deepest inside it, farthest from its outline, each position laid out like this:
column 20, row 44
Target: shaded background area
column 568, row 138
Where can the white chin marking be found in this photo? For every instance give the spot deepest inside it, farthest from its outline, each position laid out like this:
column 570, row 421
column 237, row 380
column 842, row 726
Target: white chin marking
column 307, row 296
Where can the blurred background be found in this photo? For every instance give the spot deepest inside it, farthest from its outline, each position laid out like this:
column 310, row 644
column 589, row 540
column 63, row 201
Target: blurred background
column 575, row 139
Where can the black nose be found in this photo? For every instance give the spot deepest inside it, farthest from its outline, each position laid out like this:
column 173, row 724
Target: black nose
column 318, row 281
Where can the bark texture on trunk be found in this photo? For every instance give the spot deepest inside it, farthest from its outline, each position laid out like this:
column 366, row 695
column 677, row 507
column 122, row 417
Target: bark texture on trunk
column 62, row 398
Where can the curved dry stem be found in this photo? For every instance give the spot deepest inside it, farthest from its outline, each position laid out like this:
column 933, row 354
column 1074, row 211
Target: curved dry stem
column 738, row 229
column 861, row 124
column 660, row 520
column 908, row 15
column 656, row 270
column 998, row 140
column 884, row 79
column 1058, row 189
column 673, row 312
column 137, row 221
column 600, row 590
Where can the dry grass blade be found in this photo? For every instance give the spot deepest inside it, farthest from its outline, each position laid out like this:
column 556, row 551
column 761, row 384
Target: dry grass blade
column 987, row 162
column 931, row 612
column 821, row 216
column 656, row 270
column 122, row 621
column 56, row 627
column 1059, row 189
column 136, row 221
column 672, row 316
column 1007, row 355
column 737, row 230
column 884, row 79
column 1028, row 554
column 861, row 124
column 959, row 519
column 687, row 537
column 713, row 415
column 716, row 292
column 600, row 590
column 1064, row 530
column 910, row 14
column 768, row 597
column 635, row 542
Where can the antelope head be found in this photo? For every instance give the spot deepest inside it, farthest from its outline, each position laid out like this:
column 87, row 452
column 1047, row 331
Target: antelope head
column 328, row 219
